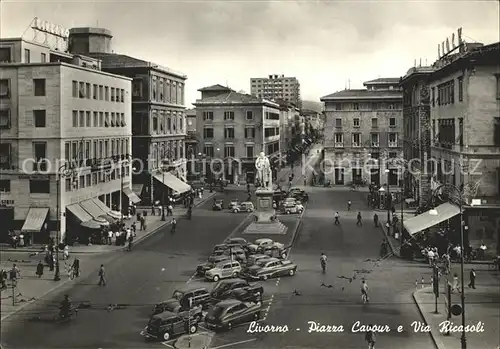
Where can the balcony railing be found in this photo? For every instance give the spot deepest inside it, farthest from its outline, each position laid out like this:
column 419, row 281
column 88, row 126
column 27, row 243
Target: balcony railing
column 339, row 145
column 393, row 144
column 356, row 145
column 375, row 144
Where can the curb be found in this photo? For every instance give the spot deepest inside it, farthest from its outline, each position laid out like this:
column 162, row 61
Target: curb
column 438, row 344
column 393, row 250
column 296, row 230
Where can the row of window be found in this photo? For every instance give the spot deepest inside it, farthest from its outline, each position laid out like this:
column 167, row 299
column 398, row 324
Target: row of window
column 272, row 148
column 357, row 139
column 208, row 132
column 166, row 123
column 96, row 148
column 86, row 118
column 39, row 88
column 367, row 106
column 162, row 90
column 230, row 152
column 228, row 115
column 86, row 90
column 271, row 131
column 171, row 150
column 373, row 155
column 42, row 186
column 356, row 122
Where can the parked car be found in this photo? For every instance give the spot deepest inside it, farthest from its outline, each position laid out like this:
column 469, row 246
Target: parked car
column 224, row 288
column 245, row 206
column 232, row 203
column 224, row 270
column 253, row 259
column 271, row 269
column 279, row 195
column 202, row 268
column 228, row 313
column 299, row 195
column 199, row 297
column 246, row 294
column 275, row 250
column 252, row 248
column 236, row 241
column 166, row 325
column 218, row 205
column 292, row 207
column 175, row 307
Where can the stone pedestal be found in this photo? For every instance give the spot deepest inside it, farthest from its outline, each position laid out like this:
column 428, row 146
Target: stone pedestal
column 264, row 211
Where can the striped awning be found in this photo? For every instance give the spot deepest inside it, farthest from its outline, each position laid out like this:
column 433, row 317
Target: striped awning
column 426, row 220
column 35, row 219
column 131, row 195
column 79, row 212
column 109, row 212
column 91, row 207
column 173, row 182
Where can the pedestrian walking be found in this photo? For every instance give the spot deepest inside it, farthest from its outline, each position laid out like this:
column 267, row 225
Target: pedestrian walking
column 370, row 338
column 170, row 210
column 66, row 252
column 375, row 220
column 134, row 228
column 337, row 222
column 130, row 241
column 349, row 204
column 51, row 261
column 39, row 269
column 15, row 273
column 359, row 220
column 102, row 279
column 174, row 225
column 472, row 276
column 76, row 267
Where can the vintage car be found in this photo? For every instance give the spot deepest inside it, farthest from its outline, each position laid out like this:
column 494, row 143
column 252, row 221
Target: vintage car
column 185, row 297
column 232, row 203
column 245, row 206
column 279, row 195
column 299, row 195
column 175, row 307
column 224, row 288
column 236, row 241
column 229, row 313
column 271, row 269
column 224, row 270
column 166, row 325
column 246, row 294
column 252, row 248
column 292, row 207
column 275, row 250
column 253, row 259
column 202, row 268
column 218, row 205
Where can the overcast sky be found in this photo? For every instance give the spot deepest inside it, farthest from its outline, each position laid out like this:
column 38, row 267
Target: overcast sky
column 322, row 43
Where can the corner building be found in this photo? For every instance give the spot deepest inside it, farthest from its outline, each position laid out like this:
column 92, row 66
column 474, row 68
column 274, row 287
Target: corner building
column 363, row 130
column 158, row 116
column 57, row 107
column 234, row 128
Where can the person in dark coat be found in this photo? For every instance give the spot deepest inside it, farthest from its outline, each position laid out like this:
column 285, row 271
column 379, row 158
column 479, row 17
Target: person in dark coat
column 472, row 276
column 51, row 262
column 76, row 267
column 39, row 269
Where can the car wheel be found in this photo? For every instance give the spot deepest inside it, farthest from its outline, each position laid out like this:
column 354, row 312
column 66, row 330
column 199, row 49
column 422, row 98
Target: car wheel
column 291, row 272
column 235, row 274
column 216, row 278
column 264, row 277
column 229, row 326
column 249, row 210
column 166, row 336
column 288, row 212
column 235, row 211
column 283, row 255
column 193, row 329
column 256, row 316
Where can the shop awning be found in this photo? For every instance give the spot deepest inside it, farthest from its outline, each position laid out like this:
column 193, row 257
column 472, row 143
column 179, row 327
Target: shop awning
column 92, row 224
column 131, row 195
column 426, row 220
column 173, row 182
column 79, row 212
column 91, row 207
column 35, row 219
column 106, row 209
column 137, row 188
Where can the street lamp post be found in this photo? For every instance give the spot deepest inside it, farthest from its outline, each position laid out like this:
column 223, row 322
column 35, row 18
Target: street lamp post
column 434, row 212
column 389, row 198
column 163, row 195
column 121, row 186
column 64, row 171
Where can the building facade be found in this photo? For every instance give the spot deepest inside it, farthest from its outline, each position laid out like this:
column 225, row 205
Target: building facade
column 277, row 87
column 417, row 134
column 193, row 152
column 158, row 118
column 60, row 116
column 289, row 114
column 465, row 133
column 232, row 129
column 363, row 131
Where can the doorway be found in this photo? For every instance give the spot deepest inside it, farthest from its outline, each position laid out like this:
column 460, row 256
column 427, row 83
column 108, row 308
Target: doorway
column 339, row 176
column 375, row 176
column 393, row 177
column 357, row 177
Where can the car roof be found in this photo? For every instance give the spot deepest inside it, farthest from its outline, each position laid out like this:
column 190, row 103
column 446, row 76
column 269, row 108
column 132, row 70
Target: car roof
column 247, row 202
column 273, row 260
column 263, row 239
column 232, row 281
column 228, row 303
column 188, row 289
column 236, row 239
column 165, row 315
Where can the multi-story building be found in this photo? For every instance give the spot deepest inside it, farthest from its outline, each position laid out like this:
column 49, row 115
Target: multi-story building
column 417, row 134
column 277, row 87
column 289, row 114
column 314, row 120
column 465, row 133
column 158, row 120
column 65, row 136
column 192, row 151
column 363, row 133
column 233, row 128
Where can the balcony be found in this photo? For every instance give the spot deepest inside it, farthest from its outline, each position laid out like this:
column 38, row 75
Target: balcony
column 356, row 145
column 7, row 166
column 40, row 165
column 393, row 144
column 375, row 144
column 339, row 145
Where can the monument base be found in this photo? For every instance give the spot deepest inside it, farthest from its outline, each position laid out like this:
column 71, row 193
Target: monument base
column 266, row 228
column 264, row 213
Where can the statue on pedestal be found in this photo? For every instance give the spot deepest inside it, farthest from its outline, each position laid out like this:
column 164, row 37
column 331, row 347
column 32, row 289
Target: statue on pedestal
column 264, row 174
